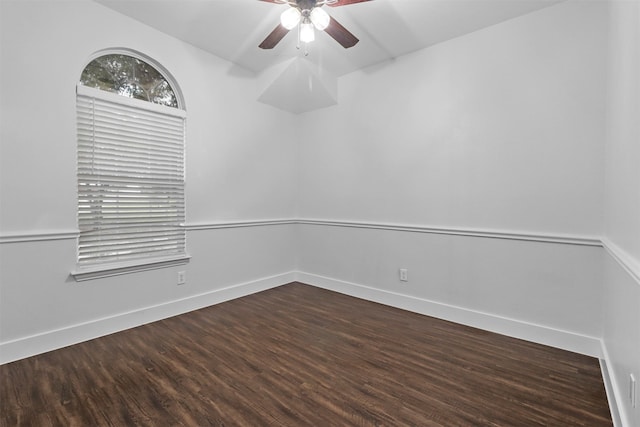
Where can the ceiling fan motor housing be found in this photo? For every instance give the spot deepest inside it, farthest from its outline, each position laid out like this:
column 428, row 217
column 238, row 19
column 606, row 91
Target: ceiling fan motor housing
column 306, row 5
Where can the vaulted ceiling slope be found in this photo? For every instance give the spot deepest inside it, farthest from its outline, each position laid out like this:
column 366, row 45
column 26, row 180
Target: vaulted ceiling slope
column 387, row 29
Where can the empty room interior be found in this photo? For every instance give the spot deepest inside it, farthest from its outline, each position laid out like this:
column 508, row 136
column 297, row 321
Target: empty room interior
column 426, row 213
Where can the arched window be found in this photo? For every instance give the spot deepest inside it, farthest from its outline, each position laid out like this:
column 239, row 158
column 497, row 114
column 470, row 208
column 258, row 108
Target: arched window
column 131, row 141
column 129, row 76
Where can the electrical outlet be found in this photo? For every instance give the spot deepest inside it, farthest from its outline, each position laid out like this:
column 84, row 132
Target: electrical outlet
column 404, row 275
column 633, row 394
column 182, row 277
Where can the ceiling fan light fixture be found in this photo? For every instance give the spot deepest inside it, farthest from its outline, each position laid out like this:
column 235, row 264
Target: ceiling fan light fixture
column 320, row 18
column 308, row 16
column 307, row 35
column 290, row 18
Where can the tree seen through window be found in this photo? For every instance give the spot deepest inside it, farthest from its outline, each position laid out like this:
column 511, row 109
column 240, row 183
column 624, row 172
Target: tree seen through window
column 130, row 77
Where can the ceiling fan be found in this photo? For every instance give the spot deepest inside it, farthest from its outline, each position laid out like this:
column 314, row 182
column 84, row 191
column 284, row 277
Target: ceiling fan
column 309, row 15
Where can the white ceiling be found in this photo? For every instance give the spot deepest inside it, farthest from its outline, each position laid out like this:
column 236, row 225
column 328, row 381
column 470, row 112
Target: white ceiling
column 233, row 29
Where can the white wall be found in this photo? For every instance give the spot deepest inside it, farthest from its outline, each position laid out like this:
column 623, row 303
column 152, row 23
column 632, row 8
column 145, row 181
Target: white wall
column 482, row 131
column 477, row 164
column 499, row 132
column 233, row 170
column 622, row 197
column 539, row 291
column 622, row 204
column 240, row 167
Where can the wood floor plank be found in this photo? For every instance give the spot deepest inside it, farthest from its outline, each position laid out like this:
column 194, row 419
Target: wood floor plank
column 302, row 356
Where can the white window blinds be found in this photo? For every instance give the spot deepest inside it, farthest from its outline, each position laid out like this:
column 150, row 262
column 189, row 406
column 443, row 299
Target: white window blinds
column 131, row 205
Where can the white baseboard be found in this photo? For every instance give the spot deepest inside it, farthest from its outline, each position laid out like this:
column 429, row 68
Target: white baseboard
column 545, row 335
column 618, row 413
column 74, row 334
column 54, row 339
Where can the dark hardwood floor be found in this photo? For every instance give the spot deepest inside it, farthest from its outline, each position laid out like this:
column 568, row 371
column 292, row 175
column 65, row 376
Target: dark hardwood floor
column 301, row 356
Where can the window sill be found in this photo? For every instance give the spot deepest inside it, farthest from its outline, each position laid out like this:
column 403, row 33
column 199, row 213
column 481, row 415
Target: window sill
column 108, row 270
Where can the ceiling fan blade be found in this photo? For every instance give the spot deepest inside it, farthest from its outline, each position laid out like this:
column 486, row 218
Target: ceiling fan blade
column 342, row 2
column 274, row 38
column 341, row 34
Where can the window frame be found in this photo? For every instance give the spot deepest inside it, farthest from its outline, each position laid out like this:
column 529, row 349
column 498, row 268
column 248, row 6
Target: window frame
column 90, row 271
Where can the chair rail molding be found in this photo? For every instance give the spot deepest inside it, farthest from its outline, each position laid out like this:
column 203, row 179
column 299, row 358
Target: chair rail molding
column 44, row 235
column 38, row 236
column 471, row 232
column 626, row 261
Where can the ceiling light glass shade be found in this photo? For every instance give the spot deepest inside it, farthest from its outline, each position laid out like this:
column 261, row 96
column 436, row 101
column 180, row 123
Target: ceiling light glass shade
column 290, row 18
column 320, row 18
column 306, row 32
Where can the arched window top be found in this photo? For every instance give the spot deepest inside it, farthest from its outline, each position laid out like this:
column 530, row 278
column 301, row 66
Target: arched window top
column 129, row 76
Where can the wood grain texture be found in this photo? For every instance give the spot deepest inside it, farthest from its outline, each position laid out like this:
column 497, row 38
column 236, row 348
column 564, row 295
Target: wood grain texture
column 345, row 2
column 274, row 37
column 302, row 356
column 341, row 34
